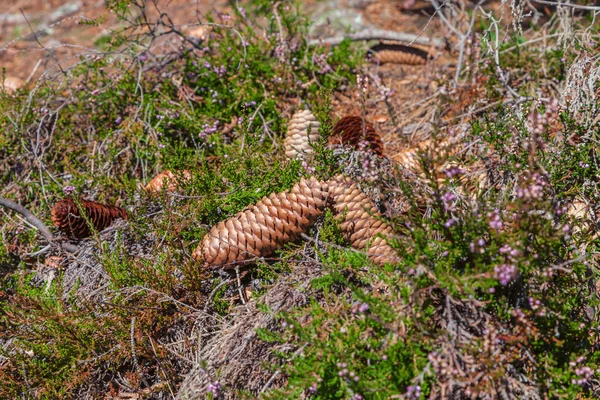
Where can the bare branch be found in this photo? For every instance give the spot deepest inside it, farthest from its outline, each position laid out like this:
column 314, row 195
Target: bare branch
column 36, row 223
column 560, row 4
column 381, row 34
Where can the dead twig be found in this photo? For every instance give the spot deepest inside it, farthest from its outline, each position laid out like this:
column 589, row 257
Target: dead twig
column 381, row 34
column 36, row 223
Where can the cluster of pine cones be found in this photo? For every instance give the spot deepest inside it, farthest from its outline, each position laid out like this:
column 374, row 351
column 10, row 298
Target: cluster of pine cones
column 275, row 220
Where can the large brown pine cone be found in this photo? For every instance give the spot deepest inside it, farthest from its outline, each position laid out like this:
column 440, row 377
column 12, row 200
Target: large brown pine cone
column 264, row 227
column 66, row 217
column 360, row 221
column 355, row 131
column 303, row 131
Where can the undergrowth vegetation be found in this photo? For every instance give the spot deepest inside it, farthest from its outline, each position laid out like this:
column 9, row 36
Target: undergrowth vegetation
column 496, row 295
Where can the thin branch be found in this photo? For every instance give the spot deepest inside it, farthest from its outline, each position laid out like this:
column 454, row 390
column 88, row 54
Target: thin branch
column 575, row 6
column 381, row 34
column 36, row 223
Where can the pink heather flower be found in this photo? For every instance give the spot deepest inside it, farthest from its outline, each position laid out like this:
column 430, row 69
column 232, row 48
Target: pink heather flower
column 321, row 62
column 214, row 388
column 495, row 222
column 207, row 130
column 364, row 307
column 366, row 164
column 453, row 171
column 506, row 273
column 534, row 304
column 362, row 82
column 584, row 374
column 449, row 223
column 68, row 189
column 118, row 120
column 386, row 92
column 220, row 71
column 413, row 392
column 534, row 190
column 448, row 199
column 280, row 52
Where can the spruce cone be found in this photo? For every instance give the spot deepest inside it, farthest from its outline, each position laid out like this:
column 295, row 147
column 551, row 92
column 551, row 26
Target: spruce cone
column 298, row 138
column 66, row 217
column 360, row 225
column 264, row 227
column 399, row 54
column 352, row 130
column 166, row 177
column 398, row 57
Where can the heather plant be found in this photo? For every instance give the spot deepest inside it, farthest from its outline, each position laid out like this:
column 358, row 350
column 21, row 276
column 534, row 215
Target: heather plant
column 495, row 291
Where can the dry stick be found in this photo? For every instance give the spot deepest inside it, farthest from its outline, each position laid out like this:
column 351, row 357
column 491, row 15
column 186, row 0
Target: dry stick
column 381, row 34
column 36, row 223
column 560, row 4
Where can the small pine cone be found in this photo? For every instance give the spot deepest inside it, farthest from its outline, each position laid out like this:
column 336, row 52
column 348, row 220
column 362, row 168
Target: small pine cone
column 264, row 227
column 398, row 57
column 66, row 217
column 298, row 138
column 166, row 177
column 353, row 130
column 361, row 223
column 395, row 53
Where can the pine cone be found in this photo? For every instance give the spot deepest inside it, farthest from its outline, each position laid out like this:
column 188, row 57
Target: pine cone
column 66, row 217
column 352, row 130
column 166, row 177
column 399, row 54
column 299, row 138
column 398, row 57
column 360, row 224
column 264, row 227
